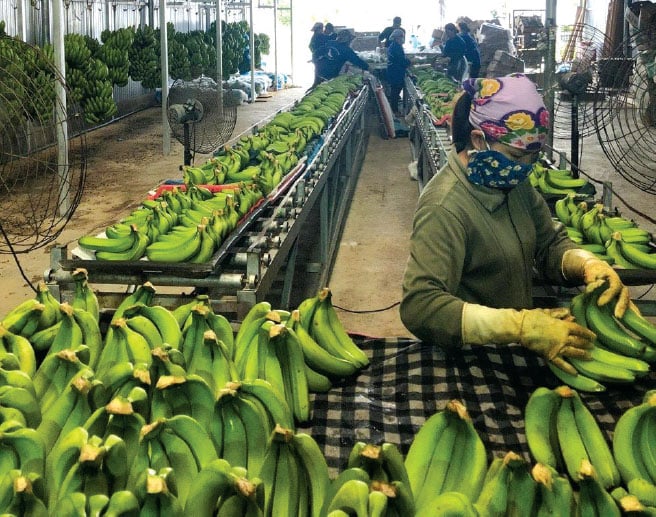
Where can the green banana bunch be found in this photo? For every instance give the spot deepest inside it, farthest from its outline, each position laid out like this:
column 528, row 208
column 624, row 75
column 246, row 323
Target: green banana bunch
column 580, row 439
column 157, row 493
column 286, row 491
column 593, row 498
column 182, row 313
column 122, row 380
column 213, row 362
column 446, row 455
column 181, row 245
column 178, row 442
column 119, row 418
column 345, row 476
column 273, row 403
column 120, row 503
column 522, row 488
column 55, row 373
column 24, row 318
column 22, row 493
column 20, row 348
column 632, row 452
column 83, row 295
column 326, row 329
column 383, row 463
column 50, row 315
column 123, row 345
column 316, row 357
column 71, row 409
column 625, row 249
column 166, row 328
column 606, row 365
column 223, row 490
column 20, row 405
column 183, row 395
column 21, row 448
column 89, row 465
column 246, row 339
column 555, row 495
column 493, row 498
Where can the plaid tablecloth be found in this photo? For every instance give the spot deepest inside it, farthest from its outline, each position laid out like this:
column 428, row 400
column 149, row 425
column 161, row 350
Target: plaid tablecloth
column 407, row 381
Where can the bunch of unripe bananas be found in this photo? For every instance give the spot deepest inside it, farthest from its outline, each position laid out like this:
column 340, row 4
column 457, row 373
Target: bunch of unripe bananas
column 180, row 225
column 155, row 416
column 613, row 238
column 438, row 91
column 557, row 181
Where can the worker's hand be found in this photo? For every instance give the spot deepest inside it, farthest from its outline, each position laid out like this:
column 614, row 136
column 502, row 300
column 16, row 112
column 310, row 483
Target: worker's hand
column 547, row 332
column 583, row 265
column 555, row 339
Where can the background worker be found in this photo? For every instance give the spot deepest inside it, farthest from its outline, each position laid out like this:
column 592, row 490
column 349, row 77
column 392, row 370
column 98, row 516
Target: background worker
column 317, row 48
column 397, row 64
column 480, row 229
column 453, row 53
column 337, row 54
column 383, row 37
column 472, row 52
column 329, row 31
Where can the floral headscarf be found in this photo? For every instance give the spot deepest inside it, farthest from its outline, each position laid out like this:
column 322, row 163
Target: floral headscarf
column 509, row 109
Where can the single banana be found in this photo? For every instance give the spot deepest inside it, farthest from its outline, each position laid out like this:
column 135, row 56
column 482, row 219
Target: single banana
column 562, row 212
column 115, row 245
column 256, row 429
column 449, row 503
column 555, row 494
column 83, row 296
column 50, row 315
column 70, row 333
column 493, row 499
column 579, row 381
column 609, row 333
column 317, row 382
column 638, row 324
column 540, row 426
column 146, row 328
column 187, row 395
column 522, row 488
column 377, row 504
column 598, row 450
column 441, row 457
column 644, row 490
column 17, row 318
column 91, row 335
column 314, row 468
column 290, row 355
column 121, row 502
column 135, row 252
column 182, row 312
column 21, row 348
column 277, row 407
column 29, row 448
column 420, row 453
column 235, row 444
column 570, row 440
column 648, row 440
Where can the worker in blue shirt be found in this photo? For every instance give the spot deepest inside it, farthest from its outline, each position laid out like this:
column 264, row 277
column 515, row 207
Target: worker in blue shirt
column 453, row 49
column 472, row 53
column 337, row 54
column 397, row 64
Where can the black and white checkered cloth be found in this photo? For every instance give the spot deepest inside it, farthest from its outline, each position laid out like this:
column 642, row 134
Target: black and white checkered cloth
column 407, row 381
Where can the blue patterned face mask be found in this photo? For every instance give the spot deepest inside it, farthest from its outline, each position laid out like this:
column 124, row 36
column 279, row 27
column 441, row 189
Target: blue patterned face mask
column 495, row 170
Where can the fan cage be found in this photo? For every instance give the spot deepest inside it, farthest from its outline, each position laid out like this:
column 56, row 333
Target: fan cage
column 217, row 124
column 39, row 194
column 626, row 126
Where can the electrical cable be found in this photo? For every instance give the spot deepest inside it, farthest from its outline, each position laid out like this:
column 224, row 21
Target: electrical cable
column 367, row 311
column 15, row 256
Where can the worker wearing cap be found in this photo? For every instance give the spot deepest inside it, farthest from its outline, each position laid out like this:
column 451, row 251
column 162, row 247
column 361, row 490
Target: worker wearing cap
column 318, row 48
column 338, row 53
column 453, row 52
column 481, row 229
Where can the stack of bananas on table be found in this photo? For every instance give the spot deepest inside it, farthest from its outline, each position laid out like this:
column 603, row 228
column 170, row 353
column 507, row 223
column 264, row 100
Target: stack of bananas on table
column 181, row 225
column 613, row 238
column 622, row 351
column 556, row 181
column 298, row 352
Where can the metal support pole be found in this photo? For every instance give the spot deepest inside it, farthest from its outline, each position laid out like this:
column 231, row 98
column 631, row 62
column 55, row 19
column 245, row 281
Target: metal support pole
column 549, row 65
column 291, row 35
column 275, row 45
column 61, row 124
column 252, row 53
column 164, row 57
column 219, row 56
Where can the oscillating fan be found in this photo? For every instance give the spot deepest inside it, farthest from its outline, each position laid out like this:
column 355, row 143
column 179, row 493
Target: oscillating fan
column 201, row 117
column 576, row 89
column 42, row 158
column 627, row 128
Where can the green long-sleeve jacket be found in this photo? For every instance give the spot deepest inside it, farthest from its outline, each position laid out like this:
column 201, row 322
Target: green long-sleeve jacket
column 479, row 245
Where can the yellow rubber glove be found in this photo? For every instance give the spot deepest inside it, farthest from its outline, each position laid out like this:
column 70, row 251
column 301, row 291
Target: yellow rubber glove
column 583, row 266
column 551, row 337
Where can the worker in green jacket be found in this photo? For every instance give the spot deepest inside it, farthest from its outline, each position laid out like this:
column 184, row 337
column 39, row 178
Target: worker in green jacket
column 480, row 230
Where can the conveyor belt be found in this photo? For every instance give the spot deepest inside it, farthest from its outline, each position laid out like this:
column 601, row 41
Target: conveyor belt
column 262, row 251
